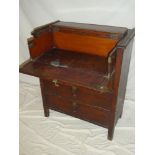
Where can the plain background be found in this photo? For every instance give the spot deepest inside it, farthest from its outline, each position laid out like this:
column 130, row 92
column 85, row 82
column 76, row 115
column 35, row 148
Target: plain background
column 36, row 13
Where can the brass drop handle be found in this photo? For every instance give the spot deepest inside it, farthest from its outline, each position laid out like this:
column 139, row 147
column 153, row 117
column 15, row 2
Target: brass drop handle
column 55, row 81
column 75, row 106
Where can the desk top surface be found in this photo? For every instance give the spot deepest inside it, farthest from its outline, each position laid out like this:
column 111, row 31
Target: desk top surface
column 74, row 68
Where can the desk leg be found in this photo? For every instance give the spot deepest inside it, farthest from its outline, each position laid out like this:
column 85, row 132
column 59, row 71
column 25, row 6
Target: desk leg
column 45, row 105
column 110, row 133
column 46, row 112
column 120, row 116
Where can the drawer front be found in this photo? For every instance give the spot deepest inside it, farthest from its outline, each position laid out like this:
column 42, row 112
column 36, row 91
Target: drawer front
column 76, row 109
column 87, row 96
column 81, row 94
column 55, row 87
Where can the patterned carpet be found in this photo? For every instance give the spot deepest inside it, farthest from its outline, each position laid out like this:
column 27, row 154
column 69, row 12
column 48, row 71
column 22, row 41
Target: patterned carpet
column 64, row 135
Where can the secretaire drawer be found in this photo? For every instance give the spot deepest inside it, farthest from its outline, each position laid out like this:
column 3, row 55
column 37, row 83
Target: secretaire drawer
column 82, row 94
column 74, row 108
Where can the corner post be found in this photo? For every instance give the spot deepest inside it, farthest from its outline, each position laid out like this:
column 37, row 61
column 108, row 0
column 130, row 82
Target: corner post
column 123, row 55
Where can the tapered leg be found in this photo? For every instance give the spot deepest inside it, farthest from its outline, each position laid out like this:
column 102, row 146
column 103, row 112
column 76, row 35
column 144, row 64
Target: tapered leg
column 46, row 112
column 45, row 105
column 110, row 133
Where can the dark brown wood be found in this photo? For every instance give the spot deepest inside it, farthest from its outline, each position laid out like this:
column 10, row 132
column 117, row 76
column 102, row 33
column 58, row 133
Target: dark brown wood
column 87, row 70
column 79, row 110
column 120, row 79
column 83, row 69
column 78, row 93
column 100, row 30
column 44, row 99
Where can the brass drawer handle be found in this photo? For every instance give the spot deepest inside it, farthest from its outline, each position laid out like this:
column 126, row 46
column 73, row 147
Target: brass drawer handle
column 55, row 81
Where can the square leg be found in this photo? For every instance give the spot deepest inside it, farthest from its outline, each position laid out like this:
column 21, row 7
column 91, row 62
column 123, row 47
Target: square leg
column 110, row 133
column 46, row 112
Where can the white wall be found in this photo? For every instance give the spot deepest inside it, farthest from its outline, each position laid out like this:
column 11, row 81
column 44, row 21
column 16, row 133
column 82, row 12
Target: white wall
column 34, row 13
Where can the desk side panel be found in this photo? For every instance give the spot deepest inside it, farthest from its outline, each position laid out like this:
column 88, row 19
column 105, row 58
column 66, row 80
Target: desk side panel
column 123, row 80
column 124, row 49
column 40, row 44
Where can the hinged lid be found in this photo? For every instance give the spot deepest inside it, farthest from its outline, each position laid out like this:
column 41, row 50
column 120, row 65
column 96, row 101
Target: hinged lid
column 110, row 31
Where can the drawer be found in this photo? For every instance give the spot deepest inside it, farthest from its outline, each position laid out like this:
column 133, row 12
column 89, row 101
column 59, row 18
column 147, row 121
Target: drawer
column 76, row 109
column 94, row 98
column 83, row 95
column 55, row 87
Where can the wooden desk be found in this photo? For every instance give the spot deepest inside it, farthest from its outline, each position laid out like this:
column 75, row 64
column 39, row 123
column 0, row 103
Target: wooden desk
column 83, row 69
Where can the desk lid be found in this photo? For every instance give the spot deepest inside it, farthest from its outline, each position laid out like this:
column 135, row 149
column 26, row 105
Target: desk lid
column 74, row 68
column 118, row 31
